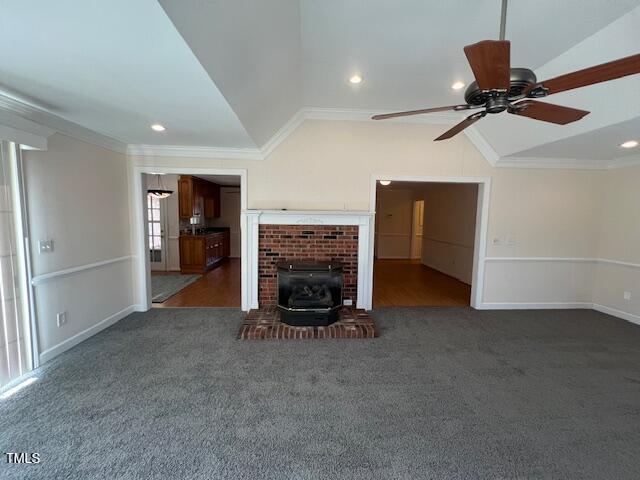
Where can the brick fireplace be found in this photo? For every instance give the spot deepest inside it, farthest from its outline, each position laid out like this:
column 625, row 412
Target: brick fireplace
column 277, row 235
column 293, row 243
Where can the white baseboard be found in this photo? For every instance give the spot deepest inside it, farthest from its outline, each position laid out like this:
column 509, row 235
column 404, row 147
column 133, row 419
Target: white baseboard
column 630, row 317
column 533, row 306
column 139, row 308
column 83, row 335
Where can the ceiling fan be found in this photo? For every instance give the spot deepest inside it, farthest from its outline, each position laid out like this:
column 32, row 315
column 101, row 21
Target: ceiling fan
column 498, row 87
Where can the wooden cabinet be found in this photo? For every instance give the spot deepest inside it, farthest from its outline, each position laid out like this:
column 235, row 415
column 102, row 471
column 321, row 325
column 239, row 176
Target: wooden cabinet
column 212, row 201
column 200, row 253
column 185, row 196
column 198, row 197
column 192, row 253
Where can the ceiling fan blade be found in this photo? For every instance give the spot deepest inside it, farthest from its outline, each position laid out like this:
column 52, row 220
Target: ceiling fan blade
column 490, row 61
column 589, row 76
column 467, row 122
column 547, row 112
column 418, row 112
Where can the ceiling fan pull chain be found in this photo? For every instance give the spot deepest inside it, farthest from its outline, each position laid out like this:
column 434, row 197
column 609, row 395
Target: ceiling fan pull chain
column 503, row 19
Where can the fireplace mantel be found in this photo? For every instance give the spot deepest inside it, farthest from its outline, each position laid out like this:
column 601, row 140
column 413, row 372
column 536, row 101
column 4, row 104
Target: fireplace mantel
column 362, row 219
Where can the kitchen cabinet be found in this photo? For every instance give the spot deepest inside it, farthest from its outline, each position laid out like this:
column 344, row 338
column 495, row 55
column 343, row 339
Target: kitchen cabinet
column 201, row 253
column 198, row 197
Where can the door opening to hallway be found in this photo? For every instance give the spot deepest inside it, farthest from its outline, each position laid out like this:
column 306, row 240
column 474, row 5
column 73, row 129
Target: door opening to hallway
column 424, row 243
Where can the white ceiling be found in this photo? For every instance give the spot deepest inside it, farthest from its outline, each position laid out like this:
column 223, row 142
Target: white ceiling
column 116, row 67
column 238, row 70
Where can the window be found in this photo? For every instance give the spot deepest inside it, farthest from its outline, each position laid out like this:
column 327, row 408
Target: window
column 155, row 229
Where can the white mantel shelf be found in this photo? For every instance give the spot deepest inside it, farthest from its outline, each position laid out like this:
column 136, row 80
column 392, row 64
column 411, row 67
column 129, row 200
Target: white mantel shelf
column 252, row 219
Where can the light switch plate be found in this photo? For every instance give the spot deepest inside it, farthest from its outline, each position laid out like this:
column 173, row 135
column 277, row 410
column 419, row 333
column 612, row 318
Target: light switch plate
column 61, row 318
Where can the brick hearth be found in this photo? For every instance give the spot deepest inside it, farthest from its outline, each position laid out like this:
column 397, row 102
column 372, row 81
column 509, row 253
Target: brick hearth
column 305, row 242
column 265, row 324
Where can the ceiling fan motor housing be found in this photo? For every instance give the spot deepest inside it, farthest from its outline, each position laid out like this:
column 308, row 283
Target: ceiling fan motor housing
column 497, row 101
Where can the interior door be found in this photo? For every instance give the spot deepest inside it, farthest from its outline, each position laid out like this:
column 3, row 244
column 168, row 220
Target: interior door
column 157, row 217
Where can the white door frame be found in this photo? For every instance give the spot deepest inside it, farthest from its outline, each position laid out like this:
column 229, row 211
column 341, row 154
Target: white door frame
column 482, row 220
column 142, row 270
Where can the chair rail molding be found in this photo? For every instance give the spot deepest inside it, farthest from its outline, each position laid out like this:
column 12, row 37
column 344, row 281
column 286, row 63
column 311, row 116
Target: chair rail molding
column 48, row 277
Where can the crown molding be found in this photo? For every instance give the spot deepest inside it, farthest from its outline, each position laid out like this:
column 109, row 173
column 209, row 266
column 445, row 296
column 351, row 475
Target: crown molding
column 622, row 162
column 483, row 146
column 554, row 163
column 194, row 152
column 49, row 123
column 307, row 113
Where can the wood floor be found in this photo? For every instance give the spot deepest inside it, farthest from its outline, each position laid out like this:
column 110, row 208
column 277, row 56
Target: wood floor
column 218, row 288
column 408, row 283
column 397, row 283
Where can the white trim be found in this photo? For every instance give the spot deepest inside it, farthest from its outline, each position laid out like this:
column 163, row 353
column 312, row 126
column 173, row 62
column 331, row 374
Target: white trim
column 194, row 152
column 306, row 113
column 630, row 317
column 361, row 219
column 51, row 123
column 554, row 163
column 563, row 259
column 533, row 306
column 47, row 277
column 283, row 133
column 624, row 162
column 83, row 335
column 364, row 115
column 482, row 222
column 483, row 146
column 139, row 235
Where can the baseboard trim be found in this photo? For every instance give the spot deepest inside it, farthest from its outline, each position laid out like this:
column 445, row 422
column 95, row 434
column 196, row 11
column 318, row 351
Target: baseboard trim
column 533, row 306
column 614, row 312
column 630, row 317
column 83, row 335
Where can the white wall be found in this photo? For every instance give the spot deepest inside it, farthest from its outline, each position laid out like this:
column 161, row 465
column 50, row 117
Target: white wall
column 394, row 221
column 78, row 196
column 327, row 165
column 542, row 223
column 449, row 228
column 230, row 216
column 619, row 240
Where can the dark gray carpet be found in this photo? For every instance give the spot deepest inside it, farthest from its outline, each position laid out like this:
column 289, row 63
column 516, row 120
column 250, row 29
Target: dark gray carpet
column 164, row 287
column 443, row 394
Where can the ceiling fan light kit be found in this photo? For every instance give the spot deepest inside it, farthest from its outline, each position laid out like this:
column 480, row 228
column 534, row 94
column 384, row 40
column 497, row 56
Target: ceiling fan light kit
column 498, row 87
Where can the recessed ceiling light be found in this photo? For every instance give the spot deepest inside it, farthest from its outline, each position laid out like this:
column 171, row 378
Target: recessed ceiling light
column 355, row 79
column 629, row 144
column 157, row 127
column 457, row 85
column 385, row 182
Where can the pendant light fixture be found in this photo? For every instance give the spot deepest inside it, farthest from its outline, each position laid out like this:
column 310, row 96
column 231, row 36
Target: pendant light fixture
column 159, row 192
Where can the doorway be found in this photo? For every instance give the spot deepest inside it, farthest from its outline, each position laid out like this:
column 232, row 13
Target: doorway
column 429, row 242
column 192, row 237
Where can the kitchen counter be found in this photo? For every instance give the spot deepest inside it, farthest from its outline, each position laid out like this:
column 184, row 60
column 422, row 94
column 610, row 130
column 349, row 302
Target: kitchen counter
column 202, row 232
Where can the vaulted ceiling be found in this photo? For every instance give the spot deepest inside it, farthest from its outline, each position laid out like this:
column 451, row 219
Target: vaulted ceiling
column 230, row 74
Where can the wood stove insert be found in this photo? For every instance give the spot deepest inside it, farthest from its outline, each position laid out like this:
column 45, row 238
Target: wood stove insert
column 310, row 293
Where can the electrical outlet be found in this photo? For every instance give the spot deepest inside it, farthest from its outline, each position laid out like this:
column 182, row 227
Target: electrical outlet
column 347, row 302
column 45, row 246
column 61, row 318
column 627, row 295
